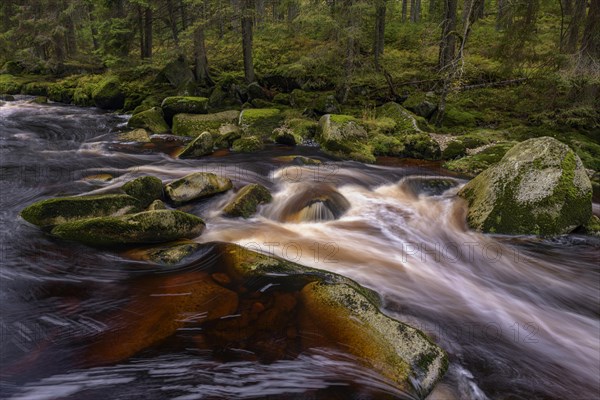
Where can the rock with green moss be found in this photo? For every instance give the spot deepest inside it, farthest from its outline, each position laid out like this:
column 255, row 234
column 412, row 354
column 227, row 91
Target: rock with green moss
column 592, row 226
column 228, row 134
column 10, row 84
column 178, row 73
column 167, row 254
column 60, row 93
column 146, row 189
column 195, row 124
column 303, row 128
column 201, row 146
column 299, row 160
column 334, row 311
column 183, row 105
column 421, row 104
column 247, row 144
column 284, row 135
column 454, row 150
column 35, row 88
column 539, row 187
column 157, row 205
column 255, row 91
column 246, row 201
column 65, row 209
column 405, row 121
column 343, row 136
column 260, row 121
column 315, row 102
column 476, row 163
column 136, row 135
column 196, row 186
column 145, row 227
column 151, row 119
column 107, row 94
column 456, row 117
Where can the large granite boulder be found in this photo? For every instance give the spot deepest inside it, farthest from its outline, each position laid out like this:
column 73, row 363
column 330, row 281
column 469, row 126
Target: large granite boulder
column 246, row 201
column 196, row 186
column 343, row 136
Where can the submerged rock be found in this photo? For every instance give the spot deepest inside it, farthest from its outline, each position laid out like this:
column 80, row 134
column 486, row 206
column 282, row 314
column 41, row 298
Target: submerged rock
column 196, row 186
column 151, row 119
column 146, row 189
column 539, row 187
column 342, row 136
column 247, row 200
column 137, row 135
column 201, row 146
column 247, row 144
column 65, row 209
column 320, row 202
column 167, row 254
column 144, row 227
column 156, row 205
column 183, row 105
column 299, row 160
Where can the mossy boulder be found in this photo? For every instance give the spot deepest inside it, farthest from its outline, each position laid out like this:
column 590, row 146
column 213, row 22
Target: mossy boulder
column 65, row 209
column 247, row 144
column 195, row 124
column 156, row 205
column 343, row 136
column 539, row 187
column 178, row 73
column 196, row 186
column 145, row 227
column 61, row 93
column 592, row 226
column 167, row 254
column 418, row 145
column 246, row 201
column 284, row 135
column 10, row 84
column 476, row 163
column 315, row 102
column 183, row 105
column 201, row 146
column 35, row 88
column 405, row 121
column 137, row 135
column 146, row 189
column 299, row 160
column 421, row 104
column 228, row 134
column 334, row 311
column 255, row 91
column 151, row 119
column 107, row 94
column 260, row 121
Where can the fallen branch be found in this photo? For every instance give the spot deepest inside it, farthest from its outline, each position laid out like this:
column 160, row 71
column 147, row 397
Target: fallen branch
column 493, row 84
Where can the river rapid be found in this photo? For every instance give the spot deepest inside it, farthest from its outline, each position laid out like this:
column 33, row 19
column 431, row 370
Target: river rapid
column 518, row 315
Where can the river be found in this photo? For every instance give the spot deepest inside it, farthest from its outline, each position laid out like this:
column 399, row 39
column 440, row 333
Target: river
column 518, row 316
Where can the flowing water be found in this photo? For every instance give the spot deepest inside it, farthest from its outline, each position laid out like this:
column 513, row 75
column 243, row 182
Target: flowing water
column 518, row 316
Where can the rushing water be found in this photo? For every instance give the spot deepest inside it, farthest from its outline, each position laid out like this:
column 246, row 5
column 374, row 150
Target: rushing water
column 517, row 315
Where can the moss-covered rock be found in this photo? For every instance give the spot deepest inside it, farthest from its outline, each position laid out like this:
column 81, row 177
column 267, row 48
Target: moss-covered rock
column 455, row 149
column 151, row 119
column 539, row 187
column 260, row 122
column 196, row 186
column 195, row 124
column 136, row 135
column 247, row 144
column 405, row 121
column 284, row 135
column 476, row 163
column 65, row 209
column 299, row 160
column 183, row 105
column 247, row 200
column 334, row 311
column 156, row 205
column 144, row 227
column 60, row 93
column 302, row 127
column 228, row 134
column 146, row 189
column 36, row 88
column 107, row 94
column 167, row 254
column 344, row 137
column 255, row 91
column 10, row 84
column 421, row 104
column 315, row 102
column 592, row 226
column 178, row 73
column 201, row 146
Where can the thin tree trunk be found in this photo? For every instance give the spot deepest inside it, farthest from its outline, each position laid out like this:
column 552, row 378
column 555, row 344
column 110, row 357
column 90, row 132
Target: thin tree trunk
column 173, row 22
column 567, row 6
column 260, row 12
column 292, row 10
column 574, row 26
column 247, row 17
column 201, row 61
column 404, row 9
column 590, row 42
column 379, row 30
column 448, row 40
column 501, row 16
column 148, row 33
column 140, row 27
column 183, row 15
column 432, row 8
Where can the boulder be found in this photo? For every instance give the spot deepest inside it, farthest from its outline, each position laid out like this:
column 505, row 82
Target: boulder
column 167, row 254
column 313, row 203
column 228, row 134
column 246, row 201
column 299, row 160
column 284, row 135
column 255, row 91
column 195, row 124
column 183, row 105
column 146, row 189
column 197, row 186
column 405, row 122
column 539, row 187
column 260, row 121
column 178, row 73
column 342, row 136
column 145, row 227
column 151, row 120
column 247, row 144
column 315, row 102
column 137, row 135
column 201, row 146
column 107, row 94
column 65, row 209
column 157, row 205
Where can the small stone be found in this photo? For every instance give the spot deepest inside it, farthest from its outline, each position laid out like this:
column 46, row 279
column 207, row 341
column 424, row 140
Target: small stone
column 221, row 278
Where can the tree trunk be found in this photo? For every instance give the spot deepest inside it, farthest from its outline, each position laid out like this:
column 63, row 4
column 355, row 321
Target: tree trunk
column 567, row 7
column 404, row 9
column 140, row 27
column 7, row 12
column 201, row 61
column 590, row 43
column 448, row 41
column 183, row 15
column 147, row 33
column 379, row 30
column 501, row 16
column 260, row 12
column 415, row 10
column 247, row 17
column 574, row 26
column 71, row 36
column 432, row 9
column 292, row 10
column 173, row 22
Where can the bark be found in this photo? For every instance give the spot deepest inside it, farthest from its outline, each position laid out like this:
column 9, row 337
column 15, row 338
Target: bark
column 292, row 10
column 379, row 31
column 173, row 22
column 575, row 25
column 501, row 16
column 448, row 40
column 567, row 7
column 147, row 36
column 201, row 61
column 71, row 36
column 415, row 10
column 404, row 9
column 590, row 43
column 260, row 11
column 247, row 17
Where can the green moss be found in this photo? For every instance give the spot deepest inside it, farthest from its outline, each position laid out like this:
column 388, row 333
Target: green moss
column 60, row 93
column 247, row 200
column 476, row 163
column 145, row 227
column 10, row 84
column 342, row 119
column 63, row 209
column 183, row 105
column 195, row 186
column 194, row 124
column 455, row 117
column 455, row 149
column 248, row 144
column 151, row 119
column 107, row 93
column 302, row 127
column 260, row 121
column 146, row 189
column 201, row 146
